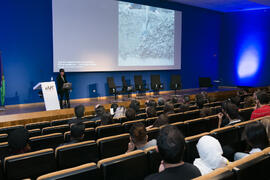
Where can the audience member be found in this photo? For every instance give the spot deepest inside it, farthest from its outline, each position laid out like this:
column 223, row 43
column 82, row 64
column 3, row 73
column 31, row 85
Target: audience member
column 161, row 120
column 266, row 122
column 106, row 119
column 130, row 114
column 174, row 100
column 114, row 107
column 79, row 113
column 151, row 112
column 210, row 152
column 99, row 110
column 262, row 108
column 18, row 142
column 256, row 137
column 249, row 102
column 236, row 100
column 168, row 108
column 134, row 104
column 76, row 134
column 139, row 138
column 151, row 103
column 229, row 116
column 171, row 147
column 161, row 101
column 205, row 111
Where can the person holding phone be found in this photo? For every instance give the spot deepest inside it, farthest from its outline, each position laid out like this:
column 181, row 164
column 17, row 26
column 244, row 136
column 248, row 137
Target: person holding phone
column 61, row 80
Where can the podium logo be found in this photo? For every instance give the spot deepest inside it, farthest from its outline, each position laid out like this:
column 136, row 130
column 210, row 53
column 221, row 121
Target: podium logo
column 49, row 88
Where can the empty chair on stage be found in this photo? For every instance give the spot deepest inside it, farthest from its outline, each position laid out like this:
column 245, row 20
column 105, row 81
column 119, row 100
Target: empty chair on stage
column 175, row 82
column 139, row 85
column 112, row 87
column 156, row 85
column 205, row 82
column 125, row 87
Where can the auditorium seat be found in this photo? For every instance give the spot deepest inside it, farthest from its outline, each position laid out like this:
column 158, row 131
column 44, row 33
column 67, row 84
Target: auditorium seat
column 89, row 124
column 34, row 132
column 266, row 151
column 191, row 150
column 4, row 149
column 176, row 117
column 129, row 124
column 160, row 112
column 196, row 126
column 160, row 108
column 60, row 122
column 97, row 123
column 83, row 172
column 1, row 171
column 254, row 166
column 46, row 141
column 188, row 115
column 212, row 122
column 152, row 133
column 153, row 158
column 109, row 130
column 246, row 113
column 30, row 165
column 38, row 125
column 129, row 166
column 141, row 116
column 89, row 134
column 112, row 146
column 181, row 126
column 56, row 129
column 8, row 129
column 150, row 121
column 141, row 110
column 3, row 138
column 218, row 174
column 76, row 154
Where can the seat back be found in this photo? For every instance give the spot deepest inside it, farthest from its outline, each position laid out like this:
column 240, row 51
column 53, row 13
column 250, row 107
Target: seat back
column 109, row 130
column 37, row 125
column 141, row 116
column 227, row 135
column 154, row 159
column 30, row 165
column 246, row 113
column 129, row 166
column 60, row 122
column 86, row 171
column 129, row 124
column 76, row 154
column 89, row 134
column 4, row 149
column 218, row 174
column 182, row 127
column 112, row 146
column 188, row 115
column 56, row 129
column 153, row 133
column 3, row 138
column 196, row 126
column 176, row 117
column 46, row 141
column 150, row 121
column 89, row 124
column 7, row 130
column 34, row 132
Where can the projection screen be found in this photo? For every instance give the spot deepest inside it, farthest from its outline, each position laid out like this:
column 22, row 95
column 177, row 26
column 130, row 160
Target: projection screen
column 110, row 35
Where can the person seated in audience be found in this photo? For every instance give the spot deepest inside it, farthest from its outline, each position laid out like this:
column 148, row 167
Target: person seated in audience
column 79, row 113
column 262, row 108
column 139, row 138
column 134, row 104
column 99, row 110
column 76, row 134
column 106, row 119
column 18, row 142
column 184, row 103
column 168, row 108
column 210, row 152
column 114, row 107
column 174, row 100
column 161, row 101
column 236, row 100
column 151, row 112
column 130, row 114
column 205, row 111
column 171, row 147
column 200, row 102
column 256, row 137
column 120, row 112
column 266, row 122
column 161, row 121
column 229, row 116
column 249, row 102
column 151, row 103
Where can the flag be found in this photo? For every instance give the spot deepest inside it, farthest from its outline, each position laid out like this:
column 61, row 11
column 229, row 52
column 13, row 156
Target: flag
column 2, row 82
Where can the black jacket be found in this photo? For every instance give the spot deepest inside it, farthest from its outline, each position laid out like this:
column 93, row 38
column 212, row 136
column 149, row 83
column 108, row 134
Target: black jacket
column 60, row 82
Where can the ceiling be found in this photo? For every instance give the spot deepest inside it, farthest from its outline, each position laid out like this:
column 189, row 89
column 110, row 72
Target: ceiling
column 227, row 5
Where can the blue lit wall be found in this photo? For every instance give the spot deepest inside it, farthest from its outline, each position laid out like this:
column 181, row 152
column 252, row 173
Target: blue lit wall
column 26, row 45
column 245, row 48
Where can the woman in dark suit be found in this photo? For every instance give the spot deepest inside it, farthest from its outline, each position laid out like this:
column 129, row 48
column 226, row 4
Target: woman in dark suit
column 60, row 80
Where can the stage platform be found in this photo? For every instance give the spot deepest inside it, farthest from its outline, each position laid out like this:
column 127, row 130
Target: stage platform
column 29, row 113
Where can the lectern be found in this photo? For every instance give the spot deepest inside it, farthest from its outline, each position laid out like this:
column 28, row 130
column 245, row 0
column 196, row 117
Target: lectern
column 49, row 95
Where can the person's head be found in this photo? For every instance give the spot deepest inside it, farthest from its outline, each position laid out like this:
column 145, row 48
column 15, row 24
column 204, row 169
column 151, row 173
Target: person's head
column 138, row 134
column 77, row 132
column 114, row 106
column 168, row 108
column 210, row 152
column 18, row 139
column 161, row 101
column 151, row 103
column 62, row 72
column 200, row 102
column 184, row 107
column 236, row 100
column 171, row 144
column 205, row 111
column 255, row 135
column 230, row 110
column 134, row 104
column 262, row 98
column 249, row 102
column 100, row 110
column 130, row 114
column 151, row 112
column 266, row 122
column 79, row 111
column 106, row 119
column 174, row 100
column 161, row 120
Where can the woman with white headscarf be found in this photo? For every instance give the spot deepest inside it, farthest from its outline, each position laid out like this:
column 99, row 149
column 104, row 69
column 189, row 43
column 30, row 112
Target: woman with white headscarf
column 210, row 153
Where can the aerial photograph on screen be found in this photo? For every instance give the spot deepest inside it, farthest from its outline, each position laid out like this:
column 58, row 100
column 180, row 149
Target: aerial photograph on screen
column 146, row 35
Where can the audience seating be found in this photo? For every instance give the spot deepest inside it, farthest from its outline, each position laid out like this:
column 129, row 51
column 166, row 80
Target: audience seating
column 154, row 159
column 7, row 130
column 176, row 117
column 75, row 154
column 188, row 115
column 60, row 122
column 3, row 138
column 1, row 171
column 191, row 152
column 160, row 112
column 34, row 132
column 112, row 146
column 130, row 166
column 55, row 129
column 141, row 116
column 4, row 149
column 30, row 165
column 129, row 124
column 246, row 113
column 182, row 127
column 83, row 172
column 109, row 130
column 37, row 125
column 160, row 108
column 150, row 121
column 89, row 134
column 89, row 124
column 152, row 133
column 218, row 174
column 46, row 141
